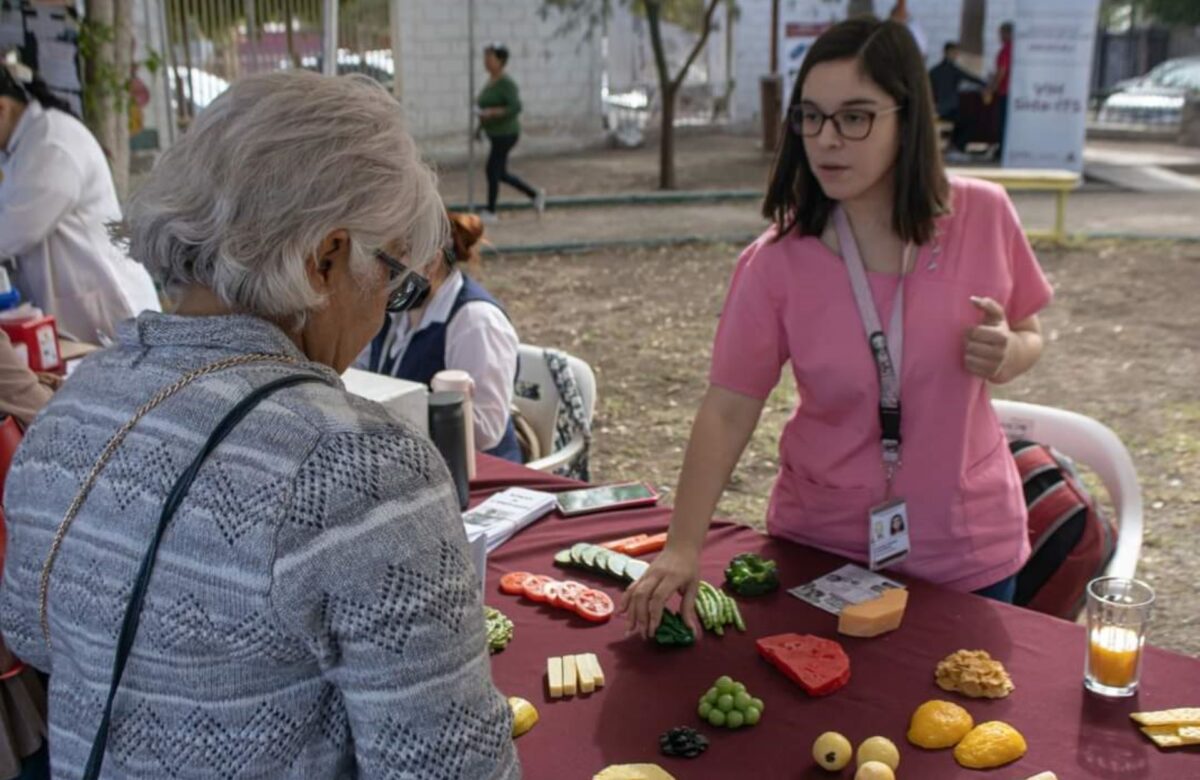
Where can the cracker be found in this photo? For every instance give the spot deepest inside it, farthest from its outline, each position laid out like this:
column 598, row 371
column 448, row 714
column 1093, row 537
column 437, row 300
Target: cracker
column 1173, row 736
column 1180, row 716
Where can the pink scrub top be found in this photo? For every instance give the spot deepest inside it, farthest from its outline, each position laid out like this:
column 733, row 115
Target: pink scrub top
column 791, row 300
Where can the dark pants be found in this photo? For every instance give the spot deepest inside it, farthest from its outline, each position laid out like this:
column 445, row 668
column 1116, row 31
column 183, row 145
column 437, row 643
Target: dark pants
column 961, row 133
column 1004, row 590
column 497, row 169
column 1002, row 117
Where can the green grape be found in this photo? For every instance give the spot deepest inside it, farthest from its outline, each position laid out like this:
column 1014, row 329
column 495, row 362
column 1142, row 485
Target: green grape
column 705, row 708
column 725, row 703
column 741, row 701
column 716, row 717
column 711, row 696
column 757, row 704
column 738, row 688
column 752, row 715
column 724, row 684
column 734, row 719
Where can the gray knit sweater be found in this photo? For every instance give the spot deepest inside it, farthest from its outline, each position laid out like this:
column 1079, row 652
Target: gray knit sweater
column 313, row 613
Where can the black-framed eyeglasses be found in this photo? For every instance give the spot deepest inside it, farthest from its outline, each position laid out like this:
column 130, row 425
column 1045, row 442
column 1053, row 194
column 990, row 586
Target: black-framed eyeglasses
column 413, row 289
column 852, row 124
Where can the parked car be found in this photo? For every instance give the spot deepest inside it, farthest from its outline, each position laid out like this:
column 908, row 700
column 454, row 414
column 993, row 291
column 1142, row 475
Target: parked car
column 1157, row 98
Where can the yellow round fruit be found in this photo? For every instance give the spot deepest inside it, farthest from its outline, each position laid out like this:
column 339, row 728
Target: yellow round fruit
column 525, row 715
column 832, row 751
column 990, row 745
column 939, row 724
column 879, row 749
column 874, row 770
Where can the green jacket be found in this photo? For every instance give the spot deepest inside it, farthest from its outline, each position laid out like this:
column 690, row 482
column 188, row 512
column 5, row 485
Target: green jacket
column 501, row 93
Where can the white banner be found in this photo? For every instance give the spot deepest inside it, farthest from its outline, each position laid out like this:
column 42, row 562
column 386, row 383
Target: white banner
column 801, row 22
column 1048, row 91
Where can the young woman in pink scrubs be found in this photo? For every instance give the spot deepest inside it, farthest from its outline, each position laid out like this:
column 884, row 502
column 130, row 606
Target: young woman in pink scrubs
column 860, row 159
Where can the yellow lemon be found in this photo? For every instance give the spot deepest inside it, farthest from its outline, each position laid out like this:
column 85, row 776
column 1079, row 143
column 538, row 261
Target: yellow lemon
column 939, row 724
column 832, row 751
column 525, row 715
column 879, row 749
column 990, row 745
column 874, row 770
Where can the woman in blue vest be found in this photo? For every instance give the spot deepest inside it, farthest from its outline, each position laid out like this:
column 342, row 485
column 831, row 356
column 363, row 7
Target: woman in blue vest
column 457, row 324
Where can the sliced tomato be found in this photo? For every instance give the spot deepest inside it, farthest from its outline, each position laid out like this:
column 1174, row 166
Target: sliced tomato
column 513, row 582
column 594, row 605
column 534, row 587
column 568, row 593
column 550, row 593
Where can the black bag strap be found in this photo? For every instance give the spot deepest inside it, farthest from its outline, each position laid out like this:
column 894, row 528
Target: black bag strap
column 133, row 611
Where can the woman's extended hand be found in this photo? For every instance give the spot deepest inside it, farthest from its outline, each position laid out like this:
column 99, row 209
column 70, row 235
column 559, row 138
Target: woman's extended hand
column 673, row 571
column 989, row 342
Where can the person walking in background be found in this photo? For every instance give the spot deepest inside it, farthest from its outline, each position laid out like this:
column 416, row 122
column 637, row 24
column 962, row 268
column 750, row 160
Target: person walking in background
column 499, row 107
column 945, row 79
column 900, row 15
column 56, row 202
column 998, row 87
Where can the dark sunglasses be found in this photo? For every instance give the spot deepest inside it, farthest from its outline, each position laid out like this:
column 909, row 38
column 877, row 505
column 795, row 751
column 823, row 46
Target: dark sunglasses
column 413, row 289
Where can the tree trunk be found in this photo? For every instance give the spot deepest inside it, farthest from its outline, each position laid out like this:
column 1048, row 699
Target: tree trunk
column 106, row 76
column 666, row 142
column 289, row 17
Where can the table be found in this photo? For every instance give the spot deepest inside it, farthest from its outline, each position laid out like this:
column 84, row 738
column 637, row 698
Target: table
column 1061, row 183
column 651, row 689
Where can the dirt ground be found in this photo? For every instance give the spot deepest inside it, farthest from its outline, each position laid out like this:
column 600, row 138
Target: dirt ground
column 1118, row 349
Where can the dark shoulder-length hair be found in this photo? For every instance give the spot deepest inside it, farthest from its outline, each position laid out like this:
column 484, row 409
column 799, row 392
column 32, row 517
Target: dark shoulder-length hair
column 888, row 56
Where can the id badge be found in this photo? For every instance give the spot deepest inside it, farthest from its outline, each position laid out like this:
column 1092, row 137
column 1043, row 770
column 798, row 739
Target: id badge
column 889, row 534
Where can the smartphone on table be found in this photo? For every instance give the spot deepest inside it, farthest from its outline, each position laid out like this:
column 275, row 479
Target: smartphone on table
column 624, row 495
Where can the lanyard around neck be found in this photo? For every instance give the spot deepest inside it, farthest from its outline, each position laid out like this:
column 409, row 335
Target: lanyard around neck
column 886, row 348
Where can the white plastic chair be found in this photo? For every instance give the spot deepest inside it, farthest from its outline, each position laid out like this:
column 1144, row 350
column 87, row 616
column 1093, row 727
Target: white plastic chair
column 1094, row 445
column 541, row 412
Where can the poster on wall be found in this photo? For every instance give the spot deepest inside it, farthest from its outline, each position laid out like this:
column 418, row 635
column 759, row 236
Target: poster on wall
column 1048, row 92
column 801, row 22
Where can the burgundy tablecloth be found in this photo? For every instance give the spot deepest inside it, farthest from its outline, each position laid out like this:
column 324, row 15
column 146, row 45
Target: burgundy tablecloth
column 651, row 689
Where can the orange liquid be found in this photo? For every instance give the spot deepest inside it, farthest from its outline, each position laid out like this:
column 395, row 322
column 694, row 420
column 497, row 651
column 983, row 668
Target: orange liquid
column 1113, row 656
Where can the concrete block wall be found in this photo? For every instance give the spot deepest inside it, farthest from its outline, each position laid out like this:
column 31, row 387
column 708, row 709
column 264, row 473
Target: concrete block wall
column 559, row 75
column 751, row 57
column 941, row 21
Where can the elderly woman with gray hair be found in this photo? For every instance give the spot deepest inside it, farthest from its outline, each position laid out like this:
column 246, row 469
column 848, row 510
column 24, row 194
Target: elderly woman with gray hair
column 228, row 565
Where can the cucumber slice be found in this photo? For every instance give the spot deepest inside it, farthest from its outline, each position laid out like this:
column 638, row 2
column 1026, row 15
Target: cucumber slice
column 588, row 558
column 635, row 568
column 602, row 556
column 617, row 563
column 563, row 558
column 577, row 552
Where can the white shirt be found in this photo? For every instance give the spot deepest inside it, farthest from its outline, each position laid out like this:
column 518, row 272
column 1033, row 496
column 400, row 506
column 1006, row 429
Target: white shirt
column 56, row 200
column 479, row 340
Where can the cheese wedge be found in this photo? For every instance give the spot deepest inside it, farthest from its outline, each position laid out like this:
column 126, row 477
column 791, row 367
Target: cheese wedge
column 554, row 677
column 1181, row 716
column 1044, row 776
column 587, row 679
column 874, row 617
column 597, row 672
column 570, row 675
column 1173, row 736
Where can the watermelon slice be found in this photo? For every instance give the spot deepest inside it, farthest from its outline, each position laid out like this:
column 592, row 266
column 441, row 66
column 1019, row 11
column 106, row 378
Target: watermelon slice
column 819, row 666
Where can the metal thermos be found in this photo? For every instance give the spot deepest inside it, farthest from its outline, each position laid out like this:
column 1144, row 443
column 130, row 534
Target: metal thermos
column 448, row 430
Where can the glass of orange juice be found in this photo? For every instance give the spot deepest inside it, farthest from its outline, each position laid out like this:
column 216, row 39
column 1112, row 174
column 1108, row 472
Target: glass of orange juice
column 1118, row 611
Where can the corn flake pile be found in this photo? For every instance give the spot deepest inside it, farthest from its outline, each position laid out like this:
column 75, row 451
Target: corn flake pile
column 975, row 674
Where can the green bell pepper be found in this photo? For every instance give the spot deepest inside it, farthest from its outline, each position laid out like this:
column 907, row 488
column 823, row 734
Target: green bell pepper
column 672, row 631
column 751, row 575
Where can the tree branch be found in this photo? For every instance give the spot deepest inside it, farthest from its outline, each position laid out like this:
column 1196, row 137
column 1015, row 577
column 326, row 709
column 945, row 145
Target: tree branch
column 708, row 17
